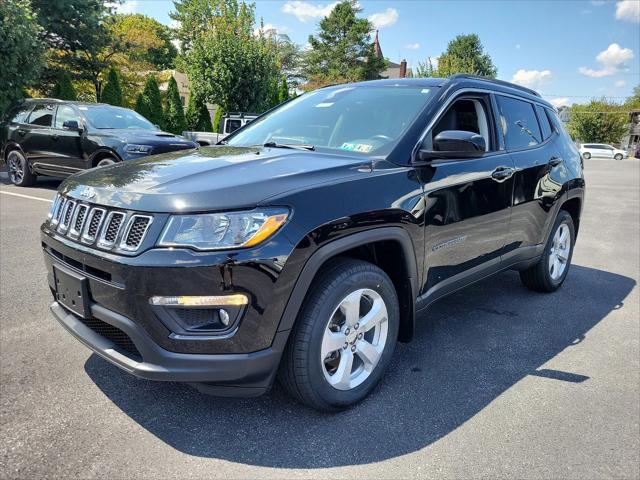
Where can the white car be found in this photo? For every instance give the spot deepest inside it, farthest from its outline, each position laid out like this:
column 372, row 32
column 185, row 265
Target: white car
column 601, row 150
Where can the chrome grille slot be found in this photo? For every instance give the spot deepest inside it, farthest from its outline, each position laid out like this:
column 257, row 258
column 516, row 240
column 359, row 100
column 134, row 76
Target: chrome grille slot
column 110, row 229
column 93, row 224
column 55, row 219
column 135, row 231
column 67, row 214
column 77, row 223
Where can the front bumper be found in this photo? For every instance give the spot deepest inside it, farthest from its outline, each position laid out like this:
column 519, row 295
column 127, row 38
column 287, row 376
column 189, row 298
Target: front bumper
column 246, row 374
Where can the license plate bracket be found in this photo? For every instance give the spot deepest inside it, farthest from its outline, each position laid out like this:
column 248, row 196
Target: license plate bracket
column 72, row 291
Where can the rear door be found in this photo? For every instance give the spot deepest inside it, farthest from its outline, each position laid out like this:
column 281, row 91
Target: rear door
column 530, row 141
column 467, row 201
column 35, row 136
column 66, row 144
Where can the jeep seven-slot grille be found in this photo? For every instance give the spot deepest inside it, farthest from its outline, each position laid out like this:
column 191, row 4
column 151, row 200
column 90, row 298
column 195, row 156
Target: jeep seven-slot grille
column 94, row 225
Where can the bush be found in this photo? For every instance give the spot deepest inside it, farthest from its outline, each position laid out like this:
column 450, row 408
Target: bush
column 217, row 118
column 149, row 103
column 198, row 118
column 63, row 89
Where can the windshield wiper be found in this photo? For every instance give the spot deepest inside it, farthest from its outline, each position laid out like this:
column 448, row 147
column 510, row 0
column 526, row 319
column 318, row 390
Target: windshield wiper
column 296, row 146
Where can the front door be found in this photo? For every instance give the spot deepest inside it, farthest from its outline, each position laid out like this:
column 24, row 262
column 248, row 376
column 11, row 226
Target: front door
column 467, row 202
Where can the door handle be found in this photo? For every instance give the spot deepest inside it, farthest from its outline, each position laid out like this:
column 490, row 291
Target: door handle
column 555, row 161
column 22, row 132
column 55, row 137
column 502, row 173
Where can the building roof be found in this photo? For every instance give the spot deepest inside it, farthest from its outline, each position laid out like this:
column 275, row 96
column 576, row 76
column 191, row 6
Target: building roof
column 376, row 47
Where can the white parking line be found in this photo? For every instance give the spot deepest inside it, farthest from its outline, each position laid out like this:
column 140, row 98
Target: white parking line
column 26, row 196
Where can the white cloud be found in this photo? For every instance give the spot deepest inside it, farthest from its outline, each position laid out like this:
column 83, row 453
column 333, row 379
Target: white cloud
column 628, row 11
column 129, row 6
column 560, row 102
column 620, row 83
column 518, row 46
column 611, row 60
column 384, row 19
column 532, row 78
column 412, row 46
column 305, row 11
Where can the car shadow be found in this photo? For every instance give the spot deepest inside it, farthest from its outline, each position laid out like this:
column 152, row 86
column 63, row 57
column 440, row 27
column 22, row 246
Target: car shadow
column 469, row 348
column 49, row 183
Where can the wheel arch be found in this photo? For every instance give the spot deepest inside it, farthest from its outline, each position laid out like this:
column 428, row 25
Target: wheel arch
column 380, row 246
column 573, row 206
column 101, row 154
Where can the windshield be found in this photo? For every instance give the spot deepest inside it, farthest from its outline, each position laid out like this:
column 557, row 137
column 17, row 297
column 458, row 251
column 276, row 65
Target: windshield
column 103, row 117
column 367, row 120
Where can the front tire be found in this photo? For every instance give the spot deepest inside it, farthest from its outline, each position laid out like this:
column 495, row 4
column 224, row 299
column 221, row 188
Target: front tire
column 549, row 273
column 344, row 336
column 106, row 162
column 19, row 172
column 586, row 155
column 618, row 156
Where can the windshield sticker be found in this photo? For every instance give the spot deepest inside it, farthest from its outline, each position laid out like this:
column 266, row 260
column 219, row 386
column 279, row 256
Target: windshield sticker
column 83, row 108
column 425, row 90
column 324, row 105
column 356, row 147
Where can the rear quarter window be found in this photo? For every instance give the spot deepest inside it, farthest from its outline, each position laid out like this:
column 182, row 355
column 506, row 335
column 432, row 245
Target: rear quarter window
column 545, row 124
column 19, row 114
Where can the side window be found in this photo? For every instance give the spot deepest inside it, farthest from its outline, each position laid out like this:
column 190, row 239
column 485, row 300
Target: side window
column 20, row 114
column 63, row 114
column 543, row 120
column 519, row 123
column 41, row 115
column 467, row 114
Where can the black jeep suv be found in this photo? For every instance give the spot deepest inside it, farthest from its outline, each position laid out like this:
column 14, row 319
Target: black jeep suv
column 58, row 138
column 312, row 240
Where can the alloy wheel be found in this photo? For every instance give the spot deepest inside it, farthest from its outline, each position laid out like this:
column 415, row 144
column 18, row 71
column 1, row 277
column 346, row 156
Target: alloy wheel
column 354, row 339
column 559, row 253
column 16, row 166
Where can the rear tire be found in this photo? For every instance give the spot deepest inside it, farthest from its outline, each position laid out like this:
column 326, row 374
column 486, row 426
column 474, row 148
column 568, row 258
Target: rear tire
column 344, row 336
column 549, row 273
column 18, row 169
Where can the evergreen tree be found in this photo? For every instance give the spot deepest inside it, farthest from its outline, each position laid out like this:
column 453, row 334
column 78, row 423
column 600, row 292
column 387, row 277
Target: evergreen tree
column 197, row 117
column 283, row 91
column 217, row 119
column 174, row 120
column 63, row 89
column 149, row 102
column 112, row 92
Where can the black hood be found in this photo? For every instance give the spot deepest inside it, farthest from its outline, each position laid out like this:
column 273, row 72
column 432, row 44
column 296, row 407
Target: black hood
column 144, row 137
column 208, row 179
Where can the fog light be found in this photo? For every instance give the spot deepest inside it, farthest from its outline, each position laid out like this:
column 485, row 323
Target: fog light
column 224, row 317
column 235, row 300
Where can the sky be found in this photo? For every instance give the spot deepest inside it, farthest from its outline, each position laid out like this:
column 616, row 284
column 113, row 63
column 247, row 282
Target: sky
column 570, row 51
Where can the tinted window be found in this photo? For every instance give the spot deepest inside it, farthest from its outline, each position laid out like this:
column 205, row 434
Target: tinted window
column 519, row 123
column 63, row 114
column 41, row 115
column 543, row 120
column 20, row 114
column 233, row 125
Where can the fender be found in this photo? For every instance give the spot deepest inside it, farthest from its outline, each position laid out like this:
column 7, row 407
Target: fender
column 10, row 146
column 334, row 248
column 100, row 151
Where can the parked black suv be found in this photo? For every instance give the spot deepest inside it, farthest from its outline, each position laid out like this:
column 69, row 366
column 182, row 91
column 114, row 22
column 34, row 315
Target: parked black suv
column 58, row 138
column 309, row 242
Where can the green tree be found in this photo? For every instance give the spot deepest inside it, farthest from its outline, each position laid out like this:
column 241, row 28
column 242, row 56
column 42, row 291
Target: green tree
column 149, row 102
column 599, row 121
column 76, row 33
column 174, row 120
column 283, row 91
column 20, row 50
column 464, row 54
column 197, row 117
column 223, row 59
column 63, row 89
column 343, row 50
column 633, row 102
column 112, row 92
column 217, row 118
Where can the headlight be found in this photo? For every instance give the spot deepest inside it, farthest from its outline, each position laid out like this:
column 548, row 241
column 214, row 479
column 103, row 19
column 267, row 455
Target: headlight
column 133, row 148
column 217, row 231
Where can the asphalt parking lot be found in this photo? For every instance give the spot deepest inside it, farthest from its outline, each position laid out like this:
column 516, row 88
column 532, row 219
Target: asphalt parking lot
column 499, row 382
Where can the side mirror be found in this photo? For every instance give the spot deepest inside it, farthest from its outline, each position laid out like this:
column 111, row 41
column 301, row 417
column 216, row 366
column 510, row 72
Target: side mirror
column 455, row 144
column 71, row 125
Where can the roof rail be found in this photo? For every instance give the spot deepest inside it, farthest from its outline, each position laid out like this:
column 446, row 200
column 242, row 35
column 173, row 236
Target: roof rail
column 497, row 82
